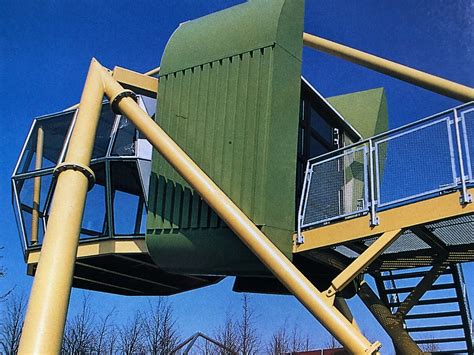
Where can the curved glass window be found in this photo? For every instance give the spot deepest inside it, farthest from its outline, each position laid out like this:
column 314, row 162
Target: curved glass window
column 47, row 137
column 121, row 160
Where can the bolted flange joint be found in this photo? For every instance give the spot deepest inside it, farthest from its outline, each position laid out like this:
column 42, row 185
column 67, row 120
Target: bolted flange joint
column 114, row 102
column 84, row 169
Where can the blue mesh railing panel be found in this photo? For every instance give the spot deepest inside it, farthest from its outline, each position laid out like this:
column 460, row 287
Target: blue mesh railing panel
column 417, row 161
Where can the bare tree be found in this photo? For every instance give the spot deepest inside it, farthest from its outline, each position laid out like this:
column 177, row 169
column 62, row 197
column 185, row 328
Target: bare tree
column 159, row 328
column 131, row 336
column 227, row 336
column 249, row 342
column 111, row 343
column 204, row 347
column 279, row 342
column 105, row 335
column 241, row 335
column 209, row 348
column 79, row 335
column 285, row 341
column 332, row 343
column 299, row 341
column 12, row 324
column 3, row 272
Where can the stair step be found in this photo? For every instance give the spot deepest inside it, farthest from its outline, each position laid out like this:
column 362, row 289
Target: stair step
column 435, row 328
column 409, row 289
column 429, row 301
column 409, row 275
column 441, row 340
column 433, row 315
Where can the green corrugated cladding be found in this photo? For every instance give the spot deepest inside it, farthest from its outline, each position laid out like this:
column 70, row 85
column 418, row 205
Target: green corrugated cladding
column 229, row 96
column 365, row 110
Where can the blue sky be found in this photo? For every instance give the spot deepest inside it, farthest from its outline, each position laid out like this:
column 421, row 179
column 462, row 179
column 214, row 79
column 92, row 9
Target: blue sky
column 46, row 47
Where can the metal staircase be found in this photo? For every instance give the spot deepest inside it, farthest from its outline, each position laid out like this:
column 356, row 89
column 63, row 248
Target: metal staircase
column 440, row 321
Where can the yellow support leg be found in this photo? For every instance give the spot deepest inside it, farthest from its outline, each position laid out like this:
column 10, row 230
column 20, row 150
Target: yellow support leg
column 47, row 307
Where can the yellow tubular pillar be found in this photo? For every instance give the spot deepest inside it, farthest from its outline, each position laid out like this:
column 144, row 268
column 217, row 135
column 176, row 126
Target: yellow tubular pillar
column 47, row 307
column 37, row 186
column 255, row 240
column 392, row 324
column 399, row 71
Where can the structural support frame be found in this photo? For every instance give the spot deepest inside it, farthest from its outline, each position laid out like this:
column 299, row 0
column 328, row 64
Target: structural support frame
column 47, row 308
column 428, row 81
column 392, row 324
column 363, row 261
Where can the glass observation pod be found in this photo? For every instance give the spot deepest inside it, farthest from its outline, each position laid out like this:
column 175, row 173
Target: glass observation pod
column 115, row 210
column 121, row 158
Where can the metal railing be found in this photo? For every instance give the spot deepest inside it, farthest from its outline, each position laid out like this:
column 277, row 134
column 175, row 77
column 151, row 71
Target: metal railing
column 420, row 160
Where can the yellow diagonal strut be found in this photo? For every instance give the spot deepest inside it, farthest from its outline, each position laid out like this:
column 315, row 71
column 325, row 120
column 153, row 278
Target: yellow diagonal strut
column 362, row 262
column 44, row 322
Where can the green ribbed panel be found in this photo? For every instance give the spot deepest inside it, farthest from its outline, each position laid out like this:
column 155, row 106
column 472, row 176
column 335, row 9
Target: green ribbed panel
column 218, row 113
column 229, row 96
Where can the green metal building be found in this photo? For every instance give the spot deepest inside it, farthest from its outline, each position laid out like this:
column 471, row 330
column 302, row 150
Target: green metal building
column 231, row 94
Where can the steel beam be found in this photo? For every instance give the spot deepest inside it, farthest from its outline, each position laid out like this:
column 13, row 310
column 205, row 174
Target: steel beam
column 362, row 261
column 99, row 247
column 424, row 285
column 463, row 306
column 428, row 81
column 141, row 84
column 417, row 213
column 341, row 304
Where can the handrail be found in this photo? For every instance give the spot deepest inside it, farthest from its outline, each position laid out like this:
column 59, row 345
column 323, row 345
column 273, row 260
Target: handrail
column 339, row 194
column 391, row 131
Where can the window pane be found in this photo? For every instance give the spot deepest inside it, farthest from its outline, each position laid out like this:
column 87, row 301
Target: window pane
column 104, row 131
column 316, row 148
column 25, row 189
column 142, row 227
column 94, row 222
column 127, row 197
column 125, row 138
column 320, row 125
column 54, row 131
column 150, row 105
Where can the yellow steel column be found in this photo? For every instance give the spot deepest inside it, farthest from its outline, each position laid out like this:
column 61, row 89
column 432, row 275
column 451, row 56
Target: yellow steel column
column 399, row 71
column 37, row 186
column 392, row 324
column 47, row 308
column 256, row 241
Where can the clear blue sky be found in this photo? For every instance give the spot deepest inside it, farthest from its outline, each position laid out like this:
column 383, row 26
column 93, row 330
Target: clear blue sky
column 45, row 49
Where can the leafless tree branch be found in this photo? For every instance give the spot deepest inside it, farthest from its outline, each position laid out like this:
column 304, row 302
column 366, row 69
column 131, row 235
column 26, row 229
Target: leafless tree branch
column 12, row 324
